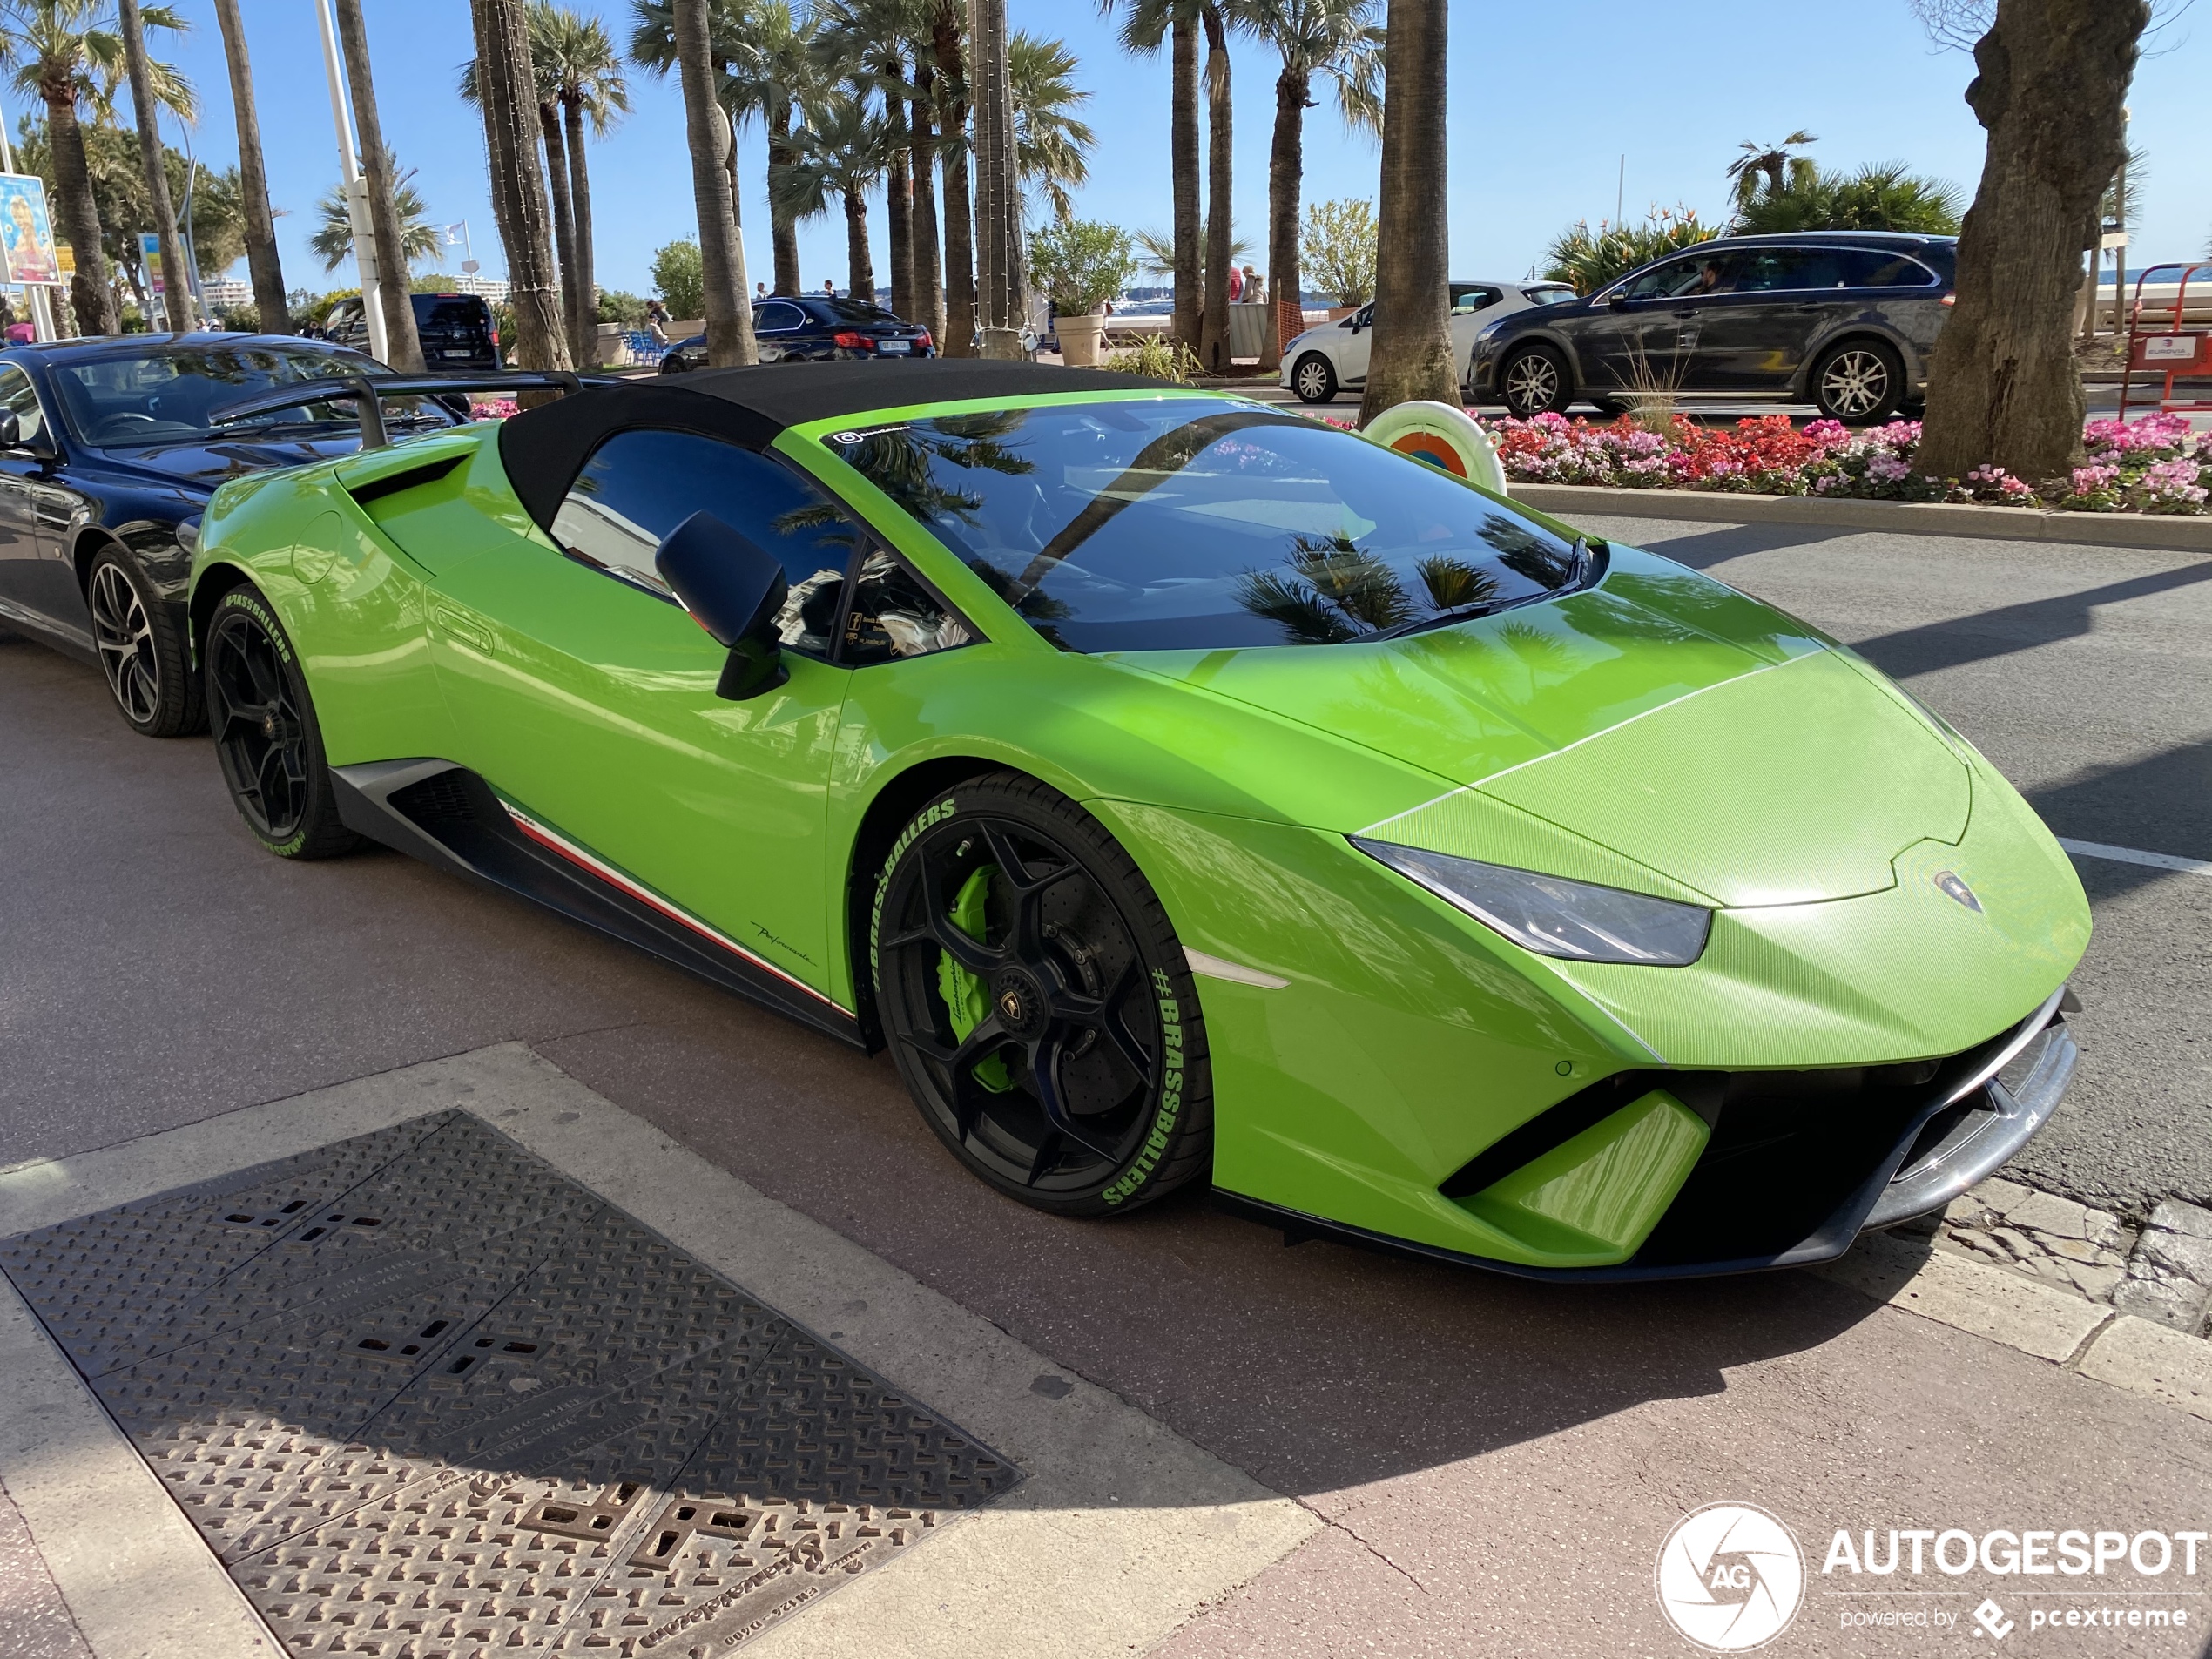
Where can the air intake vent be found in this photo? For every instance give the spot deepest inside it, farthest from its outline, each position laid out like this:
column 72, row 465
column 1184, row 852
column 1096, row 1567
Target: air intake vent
column 438, row 803
column 391, row 483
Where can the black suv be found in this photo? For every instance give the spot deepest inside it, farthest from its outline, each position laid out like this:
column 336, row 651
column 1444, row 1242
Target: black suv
column 1844, row 320
column 455, row 329
column 813, row 327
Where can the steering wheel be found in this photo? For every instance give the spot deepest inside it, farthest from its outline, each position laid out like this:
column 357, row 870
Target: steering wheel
column 118, row 426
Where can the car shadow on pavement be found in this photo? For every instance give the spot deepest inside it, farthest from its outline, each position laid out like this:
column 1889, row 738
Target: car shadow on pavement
column 1957, row 641
column 2154, row 804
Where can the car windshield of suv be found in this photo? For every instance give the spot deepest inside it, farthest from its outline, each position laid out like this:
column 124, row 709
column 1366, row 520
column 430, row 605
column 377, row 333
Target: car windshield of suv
column 1187, row 524
column 170, row 395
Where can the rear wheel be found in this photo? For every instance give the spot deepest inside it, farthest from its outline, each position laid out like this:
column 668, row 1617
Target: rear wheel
column 141, row 650
column 1037, row 1003
column 266, row 734
column 1860, row 383
column 1535, row 382
column 1313, row 379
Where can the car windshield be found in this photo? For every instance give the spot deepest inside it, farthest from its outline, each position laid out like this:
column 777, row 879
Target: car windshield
column 170, row 395
column 846, row 310
column 1190, row 523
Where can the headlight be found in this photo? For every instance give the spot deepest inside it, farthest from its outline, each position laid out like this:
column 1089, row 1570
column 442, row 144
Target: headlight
column 1489, row 330
column 1552, row 915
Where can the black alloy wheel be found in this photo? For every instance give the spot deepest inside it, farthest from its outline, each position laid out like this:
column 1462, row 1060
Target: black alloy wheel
column 265, row 735
column 1535, row 382
column 1036, row 1002
column 1860, row 383
column 141, row 650
column 1314, row 379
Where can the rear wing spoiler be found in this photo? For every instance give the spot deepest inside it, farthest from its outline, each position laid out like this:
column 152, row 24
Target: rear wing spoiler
column 367, row 393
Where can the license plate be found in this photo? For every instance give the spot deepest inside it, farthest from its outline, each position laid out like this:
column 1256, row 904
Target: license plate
column 894, row 347
column 453, row 353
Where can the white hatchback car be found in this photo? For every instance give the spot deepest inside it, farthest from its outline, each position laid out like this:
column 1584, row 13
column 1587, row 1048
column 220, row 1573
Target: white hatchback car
column 1323, row 361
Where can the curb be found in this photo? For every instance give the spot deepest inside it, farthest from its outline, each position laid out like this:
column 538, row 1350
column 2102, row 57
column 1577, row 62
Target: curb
column 2189, row 534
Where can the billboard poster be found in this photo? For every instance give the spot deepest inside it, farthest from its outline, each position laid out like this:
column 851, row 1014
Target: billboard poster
column 26, row 236
column 149, row 256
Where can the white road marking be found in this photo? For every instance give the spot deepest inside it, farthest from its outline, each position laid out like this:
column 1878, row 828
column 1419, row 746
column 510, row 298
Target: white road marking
column 2130, row 855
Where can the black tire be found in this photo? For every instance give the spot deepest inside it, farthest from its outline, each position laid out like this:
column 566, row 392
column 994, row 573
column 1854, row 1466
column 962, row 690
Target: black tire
column 141, row 648
column 266, row 734
column 1535, row 382
column 1061, row 1055
column 1859, row 382
column 1313, row 378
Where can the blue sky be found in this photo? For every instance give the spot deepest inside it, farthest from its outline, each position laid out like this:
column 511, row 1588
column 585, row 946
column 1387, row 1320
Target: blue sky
column 1546, row 100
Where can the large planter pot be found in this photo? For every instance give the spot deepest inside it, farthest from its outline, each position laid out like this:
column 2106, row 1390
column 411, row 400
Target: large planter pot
column 1079, row 339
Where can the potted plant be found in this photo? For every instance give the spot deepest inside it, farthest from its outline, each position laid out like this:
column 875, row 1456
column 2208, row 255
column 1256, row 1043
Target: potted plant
column 1337, row 251
column 1080, row 264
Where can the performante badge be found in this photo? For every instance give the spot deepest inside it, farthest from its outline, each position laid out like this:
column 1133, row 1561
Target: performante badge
column 1951, row 887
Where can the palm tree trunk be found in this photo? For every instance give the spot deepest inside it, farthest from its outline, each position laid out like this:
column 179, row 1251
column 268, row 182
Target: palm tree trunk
column 508, row 96
column 586, row 279
column 1183, row 149
column 1285, row 177
column 176, row 290
column 783, row 154
column 401, row 341
column 1411, row 356
column 706, row 130
column 898, row 211
column 556, row 177
column 272, row 316
column 959, row 235
column 2004, row 389
column 859, row 264
column 921, row 140
column 1213, row 326
column 998, row 196
column 75, row 207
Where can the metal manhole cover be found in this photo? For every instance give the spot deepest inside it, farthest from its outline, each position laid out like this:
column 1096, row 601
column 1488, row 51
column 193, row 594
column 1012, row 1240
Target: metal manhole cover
column 426, row 1397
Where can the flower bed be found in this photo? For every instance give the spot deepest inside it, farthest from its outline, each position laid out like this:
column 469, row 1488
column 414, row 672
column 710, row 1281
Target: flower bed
column 2149, row 465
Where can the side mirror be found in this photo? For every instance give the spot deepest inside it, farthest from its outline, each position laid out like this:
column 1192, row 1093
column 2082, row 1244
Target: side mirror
column 1618, row 297
column 11, row 430
column 733, row 589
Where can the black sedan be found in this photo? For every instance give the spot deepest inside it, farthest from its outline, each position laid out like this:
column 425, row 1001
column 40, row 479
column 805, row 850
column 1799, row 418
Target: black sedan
column 815, row 328
column 108, row 454
column 1844, row 320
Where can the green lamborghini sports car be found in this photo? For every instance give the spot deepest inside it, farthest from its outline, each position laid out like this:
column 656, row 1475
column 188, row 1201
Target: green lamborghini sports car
column 1181, row 789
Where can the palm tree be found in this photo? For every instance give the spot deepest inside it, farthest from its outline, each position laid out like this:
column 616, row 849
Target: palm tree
column 1341, row 40
column 1771, row 162
column 402, row 346
column 946, row 50
column 1052, row 145
column 921, row 149
column 575, row 58
column 332, row 241
column 864, row 41
column 68, row 52
column 689, row 44
column 176, row 286
column 841, row 152
column 1213, row 324
column 1146, row 24
column 998, row 178
column 1412, row 354
column 507, row 84
column 272, row 316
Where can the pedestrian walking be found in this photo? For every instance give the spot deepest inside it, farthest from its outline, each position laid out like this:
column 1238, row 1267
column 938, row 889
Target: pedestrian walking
column 657, row 321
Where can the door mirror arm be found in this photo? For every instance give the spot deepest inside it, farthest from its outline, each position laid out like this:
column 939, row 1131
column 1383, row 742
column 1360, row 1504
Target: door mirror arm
column 734, row 590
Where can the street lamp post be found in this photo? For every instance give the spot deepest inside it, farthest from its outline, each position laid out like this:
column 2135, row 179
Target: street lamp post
column 356, row 191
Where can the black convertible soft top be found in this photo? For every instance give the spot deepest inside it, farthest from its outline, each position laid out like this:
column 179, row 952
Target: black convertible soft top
column 544, row 448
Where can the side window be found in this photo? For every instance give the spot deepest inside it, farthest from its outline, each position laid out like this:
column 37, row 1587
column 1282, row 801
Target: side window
column 1674, row 277
column 1865, row 268
column 20, row 397
column 894, row 616
column 777, row 317
column 640, row 485
column 1786, row 270
column 1465, row 301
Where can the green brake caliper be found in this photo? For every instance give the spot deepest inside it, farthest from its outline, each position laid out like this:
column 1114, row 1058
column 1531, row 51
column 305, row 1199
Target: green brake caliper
column 966, row 998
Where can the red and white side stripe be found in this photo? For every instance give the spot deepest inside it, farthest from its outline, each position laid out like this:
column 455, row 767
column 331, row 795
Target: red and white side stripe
column 552, row 840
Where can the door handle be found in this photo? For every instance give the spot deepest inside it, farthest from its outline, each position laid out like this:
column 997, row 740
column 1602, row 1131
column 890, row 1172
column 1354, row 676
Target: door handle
column 453, row 622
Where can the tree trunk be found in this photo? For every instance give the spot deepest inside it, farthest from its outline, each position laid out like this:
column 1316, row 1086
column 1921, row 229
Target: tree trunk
column 586, row 279
column 1213, row 325
column 2003, row 387
column 1412, row 355
column 706, row 130
column 898, row 211
column 952, row 152
column 1182, row 166
column 508, row 96
column 176, row 286
column 1286, row 177
column 998, row 195
column 79, row 213
column 393, row 292
column 783, row 230
column 921, row 139
column 556, row 178
column 272, row 315
column 859, row 264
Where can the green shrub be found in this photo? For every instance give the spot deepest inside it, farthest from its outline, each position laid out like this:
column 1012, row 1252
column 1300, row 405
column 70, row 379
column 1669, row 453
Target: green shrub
column 1081, row 263
column 627, row 309
column 679, row 280
column 1337, row 250
column 1158, row 357
column 1589, row 260
column 1884, row 197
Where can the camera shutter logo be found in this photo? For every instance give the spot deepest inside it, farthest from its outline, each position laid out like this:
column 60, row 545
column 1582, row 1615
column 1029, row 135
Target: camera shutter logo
column 1731, row 1577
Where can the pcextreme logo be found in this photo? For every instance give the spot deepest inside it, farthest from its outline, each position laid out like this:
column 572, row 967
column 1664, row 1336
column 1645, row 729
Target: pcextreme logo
column 1730, row 1577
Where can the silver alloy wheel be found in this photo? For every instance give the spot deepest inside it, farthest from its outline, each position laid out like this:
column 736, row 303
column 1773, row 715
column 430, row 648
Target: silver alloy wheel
column 1854, row 382
column 124, row 636
column 1532, row 382
column 1313, row 379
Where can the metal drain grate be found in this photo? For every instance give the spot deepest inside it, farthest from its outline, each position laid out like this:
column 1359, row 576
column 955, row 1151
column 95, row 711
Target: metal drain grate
column 427, row 1398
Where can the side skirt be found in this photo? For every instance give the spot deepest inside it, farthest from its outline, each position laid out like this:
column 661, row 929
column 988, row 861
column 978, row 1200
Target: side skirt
column 448, row 817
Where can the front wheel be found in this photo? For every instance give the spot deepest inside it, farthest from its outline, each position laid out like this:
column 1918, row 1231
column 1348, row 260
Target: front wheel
column 141, row 650
column 266, row 733
column 1860, row 383
column 1313, row 379
column 1037, row 1003
column 1535, row 382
